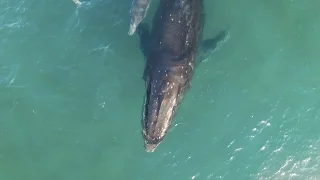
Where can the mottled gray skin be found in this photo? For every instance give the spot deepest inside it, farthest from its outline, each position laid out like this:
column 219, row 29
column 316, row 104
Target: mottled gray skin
column 171, row 50
column 138, row 12
column 171, row 55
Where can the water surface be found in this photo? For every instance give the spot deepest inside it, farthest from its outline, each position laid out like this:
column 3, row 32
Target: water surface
column 71, row 94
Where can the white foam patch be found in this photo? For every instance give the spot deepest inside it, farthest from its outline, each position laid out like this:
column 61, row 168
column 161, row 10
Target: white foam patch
column 77, row 2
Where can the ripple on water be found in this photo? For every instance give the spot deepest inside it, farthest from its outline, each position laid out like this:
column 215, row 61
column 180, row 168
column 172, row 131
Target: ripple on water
column 8, row 75
column 294, row 152
column 12, row 16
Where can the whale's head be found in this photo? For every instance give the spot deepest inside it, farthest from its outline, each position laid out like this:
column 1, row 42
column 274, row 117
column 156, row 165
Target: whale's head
column 160, row 102
column 165, row 86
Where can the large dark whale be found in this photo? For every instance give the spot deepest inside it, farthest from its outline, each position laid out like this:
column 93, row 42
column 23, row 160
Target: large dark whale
column 170, row 50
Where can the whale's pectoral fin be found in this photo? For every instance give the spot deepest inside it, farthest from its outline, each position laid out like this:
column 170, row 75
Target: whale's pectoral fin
column 208, row 46
column 144, row 35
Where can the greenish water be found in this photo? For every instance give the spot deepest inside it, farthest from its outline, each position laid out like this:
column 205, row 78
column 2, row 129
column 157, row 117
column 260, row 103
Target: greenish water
column 71, row 94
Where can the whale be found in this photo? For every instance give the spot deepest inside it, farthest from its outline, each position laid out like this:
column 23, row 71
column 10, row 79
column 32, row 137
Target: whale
column 172, row 49
column 138, row 12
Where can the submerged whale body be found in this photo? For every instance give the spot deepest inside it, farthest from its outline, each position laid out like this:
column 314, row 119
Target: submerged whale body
column 138, row 12
column 170, row 50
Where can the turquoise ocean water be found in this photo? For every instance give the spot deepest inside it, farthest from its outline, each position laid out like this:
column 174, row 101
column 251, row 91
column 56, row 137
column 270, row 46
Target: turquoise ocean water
column 71, row 94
